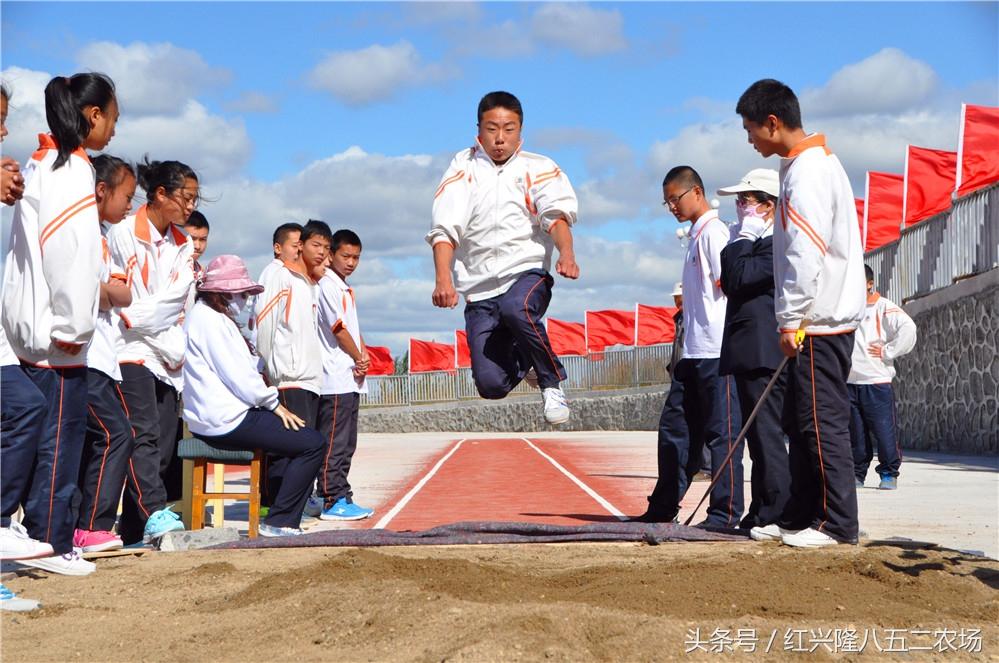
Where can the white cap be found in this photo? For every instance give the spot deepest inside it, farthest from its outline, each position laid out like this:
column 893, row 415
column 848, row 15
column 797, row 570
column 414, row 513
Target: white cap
column 758, row 179
column 678, row 289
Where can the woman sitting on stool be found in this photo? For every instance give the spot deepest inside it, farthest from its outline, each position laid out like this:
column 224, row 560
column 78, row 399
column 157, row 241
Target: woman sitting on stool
column 228, row 405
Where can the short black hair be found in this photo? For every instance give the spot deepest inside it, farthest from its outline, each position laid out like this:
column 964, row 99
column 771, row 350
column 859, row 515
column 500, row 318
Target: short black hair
column 345, row 236
column 770, row 97
column 197, row 220
column 316, row 227
column 685, row 176
column 281, row 232
column 110, row 169
column 500, row 99
column 868, row 272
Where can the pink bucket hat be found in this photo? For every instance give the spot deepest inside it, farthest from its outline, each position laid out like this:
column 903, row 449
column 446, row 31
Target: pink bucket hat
column 228, row 274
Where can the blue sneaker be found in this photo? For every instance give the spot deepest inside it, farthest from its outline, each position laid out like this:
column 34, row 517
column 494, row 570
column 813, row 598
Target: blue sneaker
column 344, row 510
column 366, row 510
column 888, row 483
column 10, row 601
column 159, row 523
column 271, row 531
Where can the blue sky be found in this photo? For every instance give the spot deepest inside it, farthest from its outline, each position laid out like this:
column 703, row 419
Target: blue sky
column 350, row 111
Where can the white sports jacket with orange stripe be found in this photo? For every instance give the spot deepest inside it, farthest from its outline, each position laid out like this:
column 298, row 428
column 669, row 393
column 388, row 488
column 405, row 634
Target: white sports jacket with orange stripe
column 52, row 270
column 888, row 325
column 338, row 310
column 103, row 352
column 160, row 273
column 287, row 331
column 499, row 218
column 818, row 258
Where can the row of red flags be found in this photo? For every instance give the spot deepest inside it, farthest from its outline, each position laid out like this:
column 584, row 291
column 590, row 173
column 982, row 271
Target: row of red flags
column 646, row 325
column 932, row 179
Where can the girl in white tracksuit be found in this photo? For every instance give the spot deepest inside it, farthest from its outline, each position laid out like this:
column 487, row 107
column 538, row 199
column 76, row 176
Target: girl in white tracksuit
column 50, row 297
column 227, row 403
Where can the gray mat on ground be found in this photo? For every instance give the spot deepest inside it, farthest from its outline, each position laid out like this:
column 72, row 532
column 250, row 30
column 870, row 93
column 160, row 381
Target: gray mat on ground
column 483, row 532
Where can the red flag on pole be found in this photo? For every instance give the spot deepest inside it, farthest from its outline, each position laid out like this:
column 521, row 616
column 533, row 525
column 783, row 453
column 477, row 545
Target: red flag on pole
column 462, row 356
column 977, row 148
column 611, row 327
column 883, row 211
column 567, row 338
column 381, row 360
column 655, row 324
column 860, row 220
column 929, row 182
column 429, row 356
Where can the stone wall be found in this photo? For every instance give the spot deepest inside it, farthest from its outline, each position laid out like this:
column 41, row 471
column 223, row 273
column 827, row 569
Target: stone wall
column 947, row 388
column 636, row 409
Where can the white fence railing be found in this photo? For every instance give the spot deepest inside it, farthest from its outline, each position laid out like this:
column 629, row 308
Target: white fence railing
column 610, row 369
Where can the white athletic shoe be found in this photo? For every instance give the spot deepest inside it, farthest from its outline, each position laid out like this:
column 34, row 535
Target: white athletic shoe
column 531, row 378
column 556, row 407
column 808, row 538
column 770, row 533
column 69, row 564
column 16, row 544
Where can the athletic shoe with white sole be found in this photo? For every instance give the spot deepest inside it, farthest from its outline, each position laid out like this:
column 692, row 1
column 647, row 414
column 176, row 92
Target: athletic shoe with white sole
column 769, row 532
column 556, row 406
column 271, row 531
column 888, row 482
column 314, row 506
column 92, row 541
column 16, row 544
column 69, row 564
column 10, row 601
column 808, row 538
column 344, row 510
column 159, row 523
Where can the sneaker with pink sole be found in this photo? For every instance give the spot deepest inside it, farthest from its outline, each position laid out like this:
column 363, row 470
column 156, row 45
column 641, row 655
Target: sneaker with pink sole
column 92, row 541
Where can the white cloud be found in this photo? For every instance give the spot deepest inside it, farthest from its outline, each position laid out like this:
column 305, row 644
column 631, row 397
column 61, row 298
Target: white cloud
column 376, row 73
column 579, row 28
column 151, row 78
column 252, row 102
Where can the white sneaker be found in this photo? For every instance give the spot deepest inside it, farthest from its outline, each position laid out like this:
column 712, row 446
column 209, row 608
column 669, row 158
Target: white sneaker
column 16, row 544
column 556, row 407
column 12, row 602
column 768, row 533
column 531, row 378
column 314, row 506
column 808, row 538
column 271, row 531
column 70, row 564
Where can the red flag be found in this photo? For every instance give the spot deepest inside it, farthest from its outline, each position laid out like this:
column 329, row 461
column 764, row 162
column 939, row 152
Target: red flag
column 381, row 360
column 605, row 328
column 929, row 182
column 977, row 148
column 860, row 220
column 567, row 338
column 884, row 208
column 429, row 356
column 655, row 324
column 463, row 358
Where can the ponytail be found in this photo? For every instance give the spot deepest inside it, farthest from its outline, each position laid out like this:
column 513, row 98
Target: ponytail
column 111, row 170
column 65, row 99
column 167, row 174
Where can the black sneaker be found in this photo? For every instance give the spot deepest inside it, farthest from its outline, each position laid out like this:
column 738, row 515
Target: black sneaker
column 652, row 516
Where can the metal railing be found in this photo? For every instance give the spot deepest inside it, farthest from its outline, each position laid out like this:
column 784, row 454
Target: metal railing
column 610, row 369
column 934, row 253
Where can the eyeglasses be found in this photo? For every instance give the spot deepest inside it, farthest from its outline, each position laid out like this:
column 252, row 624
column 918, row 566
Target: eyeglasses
column 675, row 200
column 185, row 200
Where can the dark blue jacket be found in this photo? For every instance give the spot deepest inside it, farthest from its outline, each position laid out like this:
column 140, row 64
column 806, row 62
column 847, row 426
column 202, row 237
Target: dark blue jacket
column 750, row 340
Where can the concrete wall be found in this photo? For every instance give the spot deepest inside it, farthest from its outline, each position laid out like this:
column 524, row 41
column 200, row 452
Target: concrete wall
column 947, row 388
column 636, row 409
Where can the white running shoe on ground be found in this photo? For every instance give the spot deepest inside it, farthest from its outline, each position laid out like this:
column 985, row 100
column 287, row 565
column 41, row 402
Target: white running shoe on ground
column 770, row 533
column 808, row 538
column 271, row 531
column 16, row 544
column 10, row 601
column 69, row 564
column 556, row 406
column 531, row 378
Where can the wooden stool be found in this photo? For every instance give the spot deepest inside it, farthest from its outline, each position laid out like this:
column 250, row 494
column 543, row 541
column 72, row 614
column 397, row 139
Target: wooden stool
column 199, row 453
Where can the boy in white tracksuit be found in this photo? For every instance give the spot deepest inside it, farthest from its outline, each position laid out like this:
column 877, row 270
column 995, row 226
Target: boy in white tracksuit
column 885, row 334
column 819, row 302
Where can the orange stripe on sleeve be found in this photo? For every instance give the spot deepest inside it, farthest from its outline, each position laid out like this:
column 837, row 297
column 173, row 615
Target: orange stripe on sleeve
column 60, row 220
column 453, row 178
column 800, row 221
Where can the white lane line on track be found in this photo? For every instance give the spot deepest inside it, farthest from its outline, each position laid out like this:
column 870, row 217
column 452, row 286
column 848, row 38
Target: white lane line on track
column 611, row 509
column 394, row 511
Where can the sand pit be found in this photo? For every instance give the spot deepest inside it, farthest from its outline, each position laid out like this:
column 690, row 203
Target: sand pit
column 579, row 602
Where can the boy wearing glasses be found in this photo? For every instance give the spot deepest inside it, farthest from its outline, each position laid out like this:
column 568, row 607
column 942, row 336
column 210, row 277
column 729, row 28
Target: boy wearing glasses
column 498, row 214
column 819, row 288
column 710, row 407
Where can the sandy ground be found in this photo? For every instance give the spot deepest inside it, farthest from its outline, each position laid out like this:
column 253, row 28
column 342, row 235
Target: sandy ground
column 579, row 602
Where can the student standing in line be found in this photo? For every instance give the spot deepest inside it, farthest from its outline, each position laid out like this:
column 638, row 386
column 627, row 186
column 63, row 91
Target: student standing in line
column 885, row 334
column 345, row 364
column 109, row 433
column 709, row 404
column 228, row 404
column 819, row 291
column 197, row 229
column 750, row 350
column 499, row 213
column 158, row 261
column 50, row 297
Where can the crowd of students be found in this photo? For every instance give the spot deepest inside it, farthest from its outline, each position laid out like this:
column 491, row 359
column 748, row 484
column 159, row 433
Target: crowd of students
column 112, row 330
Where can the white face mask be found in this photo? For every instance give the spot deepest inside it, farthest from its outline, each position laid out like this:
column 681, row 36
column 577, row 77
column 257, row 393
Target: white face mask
column 746, row 211
column 237, row 304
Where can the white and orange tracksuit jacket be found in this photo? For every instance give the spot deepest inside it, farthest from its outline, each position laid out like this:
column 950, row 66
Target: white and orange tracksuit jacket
column 499, row 218
column 889, row 326
column 287, row 331
column 51, row 283
column 818, row 258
